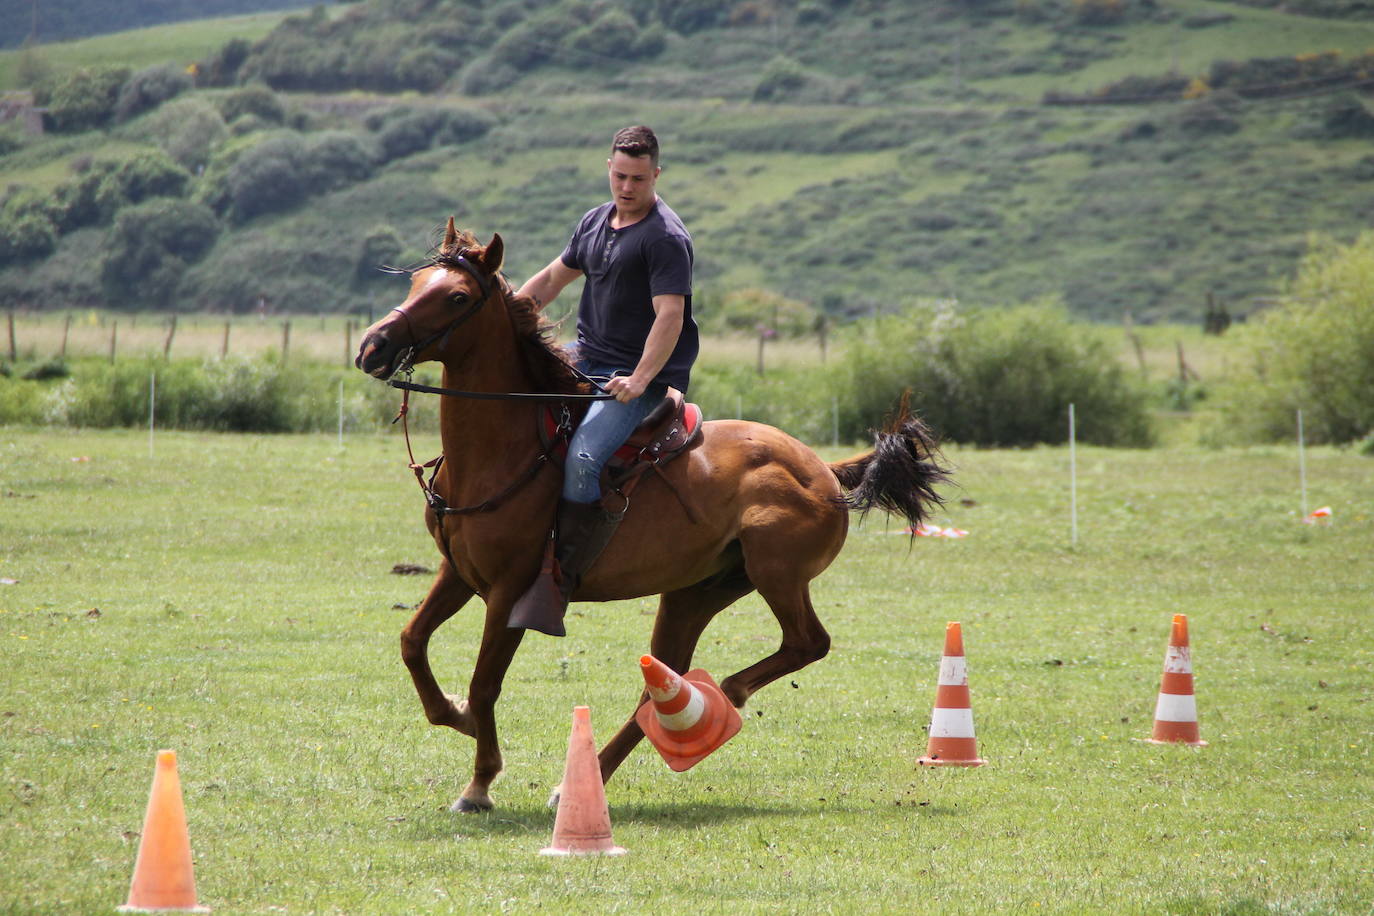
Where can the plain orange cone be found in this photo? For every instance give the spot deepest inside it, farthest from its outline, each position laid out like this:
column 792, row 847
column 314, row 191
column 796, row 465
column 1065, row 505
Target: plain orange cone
column 952, row 742
column 163, row 879
column 583, row 823
column 1176, row 710
column 687, row 716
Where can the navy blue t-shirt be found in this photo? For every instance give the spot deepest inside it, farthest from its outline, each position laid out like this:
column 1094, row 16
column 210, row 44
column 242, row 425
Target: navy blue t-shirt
column 624, row 270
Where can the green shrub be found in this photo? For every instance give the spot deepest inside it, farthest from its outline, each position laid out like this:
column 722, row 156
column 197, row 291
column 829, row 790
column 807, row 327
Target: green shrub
column 11, row 139
column 1314, row 353
column 147, row 175
column 754, row 310
column 101, row 394
column 266, row 178
column 148, row 248
column 403, row 131
column 149, row 88
column 100, row 188
column 381, row 246
column 1098, row 12
column 992, row 377
column 487, row 74
column 798, row 401
column 294, row 274
column 188, row 130
column 613, row 34
column 688, row 16
column 424, row 68
column 79, row 199
column 221, row 67
column 535, row 39
column 232, row 395
column 21, row 400
column 781, row 79
column 69, row 276
column 335, row 158
column 28, row 227
column 252, row 100
column 85, row 99
column 249, row 396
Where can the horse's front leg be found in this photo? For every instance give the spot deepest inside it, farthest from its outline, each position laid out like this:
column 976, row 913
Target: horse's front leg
column 499, row 643
column 446, row 596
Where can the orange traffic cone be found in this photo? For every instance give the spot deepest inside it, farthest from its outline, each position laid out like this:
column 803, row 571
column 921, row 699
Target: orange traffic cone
column 951, row 724
column 163, row 880
column 687, row 716
column 1176, row 711
column 583, row 823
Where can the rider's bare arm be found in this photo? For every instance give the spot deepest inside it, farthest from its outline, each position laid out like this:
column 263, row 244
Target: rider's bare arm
column 663, row 335
column 545, row 286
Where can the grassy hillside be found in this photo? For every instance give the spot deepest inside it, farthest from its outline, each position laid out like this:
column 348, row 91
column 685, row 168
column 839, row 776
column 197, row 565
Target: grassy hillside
column 179, row 42
column 24, row 21
column 927, row 164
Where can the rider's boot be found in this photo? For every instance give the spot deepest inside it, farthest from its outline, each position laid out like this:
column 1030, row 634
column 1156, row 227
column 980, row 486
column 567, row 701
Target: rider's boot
column 582, row 532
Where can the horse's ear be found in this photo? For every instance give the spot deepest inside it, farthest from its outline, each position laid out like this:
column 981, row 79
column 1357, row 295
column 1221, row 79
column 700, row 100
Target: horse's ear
column 495, row 254
column 450, row 236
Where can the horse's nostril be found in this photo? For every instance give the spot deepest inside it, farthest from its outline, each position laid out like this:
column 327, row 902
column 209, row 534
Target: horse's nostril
column 371, row 351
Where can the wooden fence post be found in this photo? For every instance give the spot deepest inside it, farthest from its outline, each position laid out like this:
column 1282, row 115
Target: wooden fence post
column 1134, row 338
column 66, row 330
column 114, row 338
column 285, row 339
column 14, row 348
column 1185, row 371
column 224, row 346
column 171, row 332
column 348, row 343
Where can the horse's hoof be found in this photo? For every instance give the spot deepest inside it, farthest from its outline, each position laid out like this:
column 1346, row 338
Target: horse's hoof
column 469, row 806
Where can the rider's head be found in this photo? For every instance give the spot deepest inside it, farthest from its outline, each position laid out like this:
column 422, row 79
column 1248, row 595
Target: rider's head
column 636, row 141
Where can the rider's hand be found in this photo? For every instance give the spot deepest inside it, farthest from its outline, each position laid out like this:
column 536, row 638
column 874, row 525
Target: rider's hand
column 625, row 388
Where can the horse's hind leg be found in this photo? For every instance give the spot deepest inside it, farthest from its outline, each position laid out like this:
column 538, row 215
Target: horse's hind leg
column 682, row 616
column 783, row 551
column 804, row 640
column 446, row 596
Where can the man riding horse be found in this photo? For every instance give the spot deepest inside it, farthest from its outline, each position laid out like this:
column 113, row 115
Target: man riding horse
column 634, row 329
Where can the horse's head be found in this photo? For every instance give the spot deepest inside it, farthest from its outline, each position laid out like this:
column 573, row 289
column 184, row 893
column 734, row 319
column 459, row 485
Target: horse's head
column 450, row 290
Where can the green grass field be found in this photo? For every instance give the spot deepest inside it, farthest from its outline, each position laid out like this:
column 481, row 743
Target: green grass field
column 231, row 598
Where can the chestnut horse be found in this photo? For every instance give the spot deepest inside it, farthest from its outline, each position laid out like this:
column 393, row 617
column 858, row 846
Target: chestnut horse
column 766, row 513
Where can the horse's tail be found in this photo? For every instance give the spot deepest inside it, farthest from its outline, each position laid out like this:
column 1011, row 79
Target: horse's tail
column 899, row 474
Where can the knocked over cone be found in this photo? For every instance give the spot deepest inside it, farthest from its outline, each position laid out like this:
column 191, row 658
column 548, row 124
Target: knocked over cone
column 687, row 716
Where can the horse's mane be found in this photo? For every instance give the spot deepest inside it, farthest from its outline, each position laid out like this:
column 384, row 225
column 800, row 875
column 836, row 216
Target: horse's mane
column 545, row 360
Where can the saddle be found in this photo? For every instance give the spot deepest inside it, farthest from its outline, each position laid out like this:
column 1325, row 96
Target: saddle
column 670, row 429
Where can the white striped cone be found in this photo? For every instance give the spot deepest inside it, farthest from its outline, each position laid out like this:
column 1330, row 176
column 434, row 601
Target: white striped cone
column 687, row 716
column 1176, row 709
column 952, row 742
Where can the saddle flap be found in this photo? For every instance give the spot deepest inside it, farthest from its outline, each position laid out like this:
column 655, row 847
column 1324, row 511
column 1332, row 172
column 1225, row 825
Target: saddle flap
column 668, row 409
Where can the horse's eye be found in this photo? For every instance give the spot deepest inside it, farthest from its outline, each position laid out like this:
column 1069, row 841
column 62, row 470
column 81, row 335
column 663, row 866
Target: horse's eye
column 458, row 298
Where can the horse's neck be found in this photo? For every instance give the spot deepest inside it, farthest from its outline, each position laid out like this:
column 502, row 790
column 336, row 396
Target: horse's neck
column 481, row 431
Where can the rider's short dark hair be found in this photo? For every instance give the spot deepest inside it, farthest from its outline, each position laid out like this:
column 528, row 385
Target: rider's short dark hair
column 636, row 141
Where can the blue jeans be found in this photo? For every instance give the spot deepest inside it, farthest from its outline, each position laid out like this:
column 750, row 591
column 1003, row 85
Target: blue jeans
column 603, row 430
